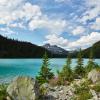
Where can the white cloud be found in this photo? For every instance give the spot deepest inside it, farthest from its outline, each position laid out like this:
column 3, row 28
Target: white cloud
column 93, row 2
column 14, row 15
column 7, row 31
column 31, row 11
column 91, row 14
column 60, row 1
column 85, row 41
column 7, row 7
column 96, row 24
column 54, row 26
column 10, row 5
column 7, row 10
column 16, row 25
column 93, row 10
column 22, row 14
column 11, row 11
column 82, row 42
column 79, row 30
column 55, row 39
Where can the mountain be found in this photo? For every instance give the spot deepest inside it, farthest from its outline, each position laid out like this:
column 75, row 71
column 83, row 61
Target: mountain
column 10, row 48
column 16, row 49
column 56, row 50
column 86, row 52
column 96, row 50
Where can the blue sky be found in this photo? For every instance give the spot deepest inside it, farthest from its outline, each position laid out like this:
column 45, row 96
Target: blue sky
column 70, row 24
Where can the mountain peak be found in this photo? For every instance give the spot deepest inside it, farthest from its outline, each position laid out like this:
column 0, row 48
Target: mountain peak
column 47, row 45
column 55, row 49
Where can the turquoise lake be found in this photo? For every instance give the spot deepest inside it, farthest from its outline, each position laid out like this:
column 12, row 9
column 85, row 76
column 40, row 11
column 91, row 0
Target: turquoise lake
column 10, row 68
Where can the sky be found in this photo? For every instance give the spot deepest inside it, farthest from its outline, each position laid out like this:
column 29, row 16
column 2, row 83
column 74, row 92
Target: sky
column 70, row 24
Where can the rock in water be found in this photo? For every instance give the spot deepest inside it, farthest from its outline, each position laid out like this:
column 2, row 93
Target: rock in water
column 23, row 88
column 94, row 76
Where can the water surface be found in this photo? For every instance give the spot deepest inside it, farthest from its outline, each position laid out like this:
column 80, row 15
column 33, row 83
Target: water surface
column 10, row 68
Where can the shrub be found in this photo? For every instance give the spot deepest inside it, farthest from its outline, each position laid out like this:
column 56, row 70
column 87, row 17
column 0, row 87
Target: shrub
column 66, row 74
column 43, row 91
column 96, row 87
column 84, row 95
column 3, row 93
column 79, row 69
column 91, row 64
column 82, row 92
column 54, row 82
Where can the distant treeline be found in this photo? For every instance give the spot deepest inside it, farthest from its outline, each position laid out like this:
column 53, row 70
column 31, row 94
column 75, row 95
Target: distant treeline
column 95, row 49
column 10, row 48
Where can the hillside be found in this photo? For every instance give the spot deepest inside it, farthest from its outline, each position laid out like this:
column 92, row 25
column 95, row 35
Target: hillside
column 96, row 50
column 14, row 49
column 17, row 49
column 86, row 52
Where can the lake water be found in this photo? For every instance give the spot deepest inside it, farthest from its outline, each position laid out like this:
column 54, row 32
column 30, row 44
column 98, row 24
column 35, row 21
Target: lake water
column 10, row 68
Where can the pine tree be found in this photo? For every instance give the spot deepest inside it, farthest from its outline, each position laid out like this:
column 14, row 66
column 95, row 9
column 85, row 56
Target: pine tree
column 91, row 64
column 66, row 74
column 79, row 69
column 45, row 73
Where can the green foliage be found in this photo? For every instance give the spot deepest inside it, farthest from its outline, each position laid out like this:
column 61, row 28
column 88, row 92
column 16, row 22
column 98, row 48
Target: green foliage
column 79, row 69
column 82, row 92
column 3, row 93
column 98, row 68
column 96, row 50
column 45, row 73
column 91, row 64
column 43, row 91
column 66, row 74
column 96, row 87
column 86, row 52
column 84, row 95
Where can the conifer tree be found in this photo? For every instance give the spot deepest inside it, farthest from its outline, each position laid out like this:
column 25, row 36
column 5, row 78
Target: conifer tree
column 66, row 74
column 91, row 64
column 45, row 73
column 79, row 69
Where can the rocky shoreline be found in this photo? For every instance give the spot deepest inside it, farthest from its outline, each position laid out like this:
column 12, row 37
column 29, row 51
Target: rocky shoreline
column 27, row 88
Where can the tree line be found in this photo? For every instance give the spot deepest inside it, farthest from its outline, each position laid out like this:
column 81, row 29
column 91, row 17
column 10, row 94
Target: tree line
column 67, row 74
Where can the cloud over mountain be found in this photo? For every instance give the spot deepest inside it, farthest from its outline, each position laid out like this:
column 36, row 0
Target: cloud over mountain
column 62, row 22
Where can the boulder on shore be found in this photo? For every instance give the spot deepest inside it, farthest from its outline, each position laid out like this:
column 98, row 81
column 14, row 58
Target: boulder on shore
column 58, row 92
column 94, row 76
column 23, row 88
